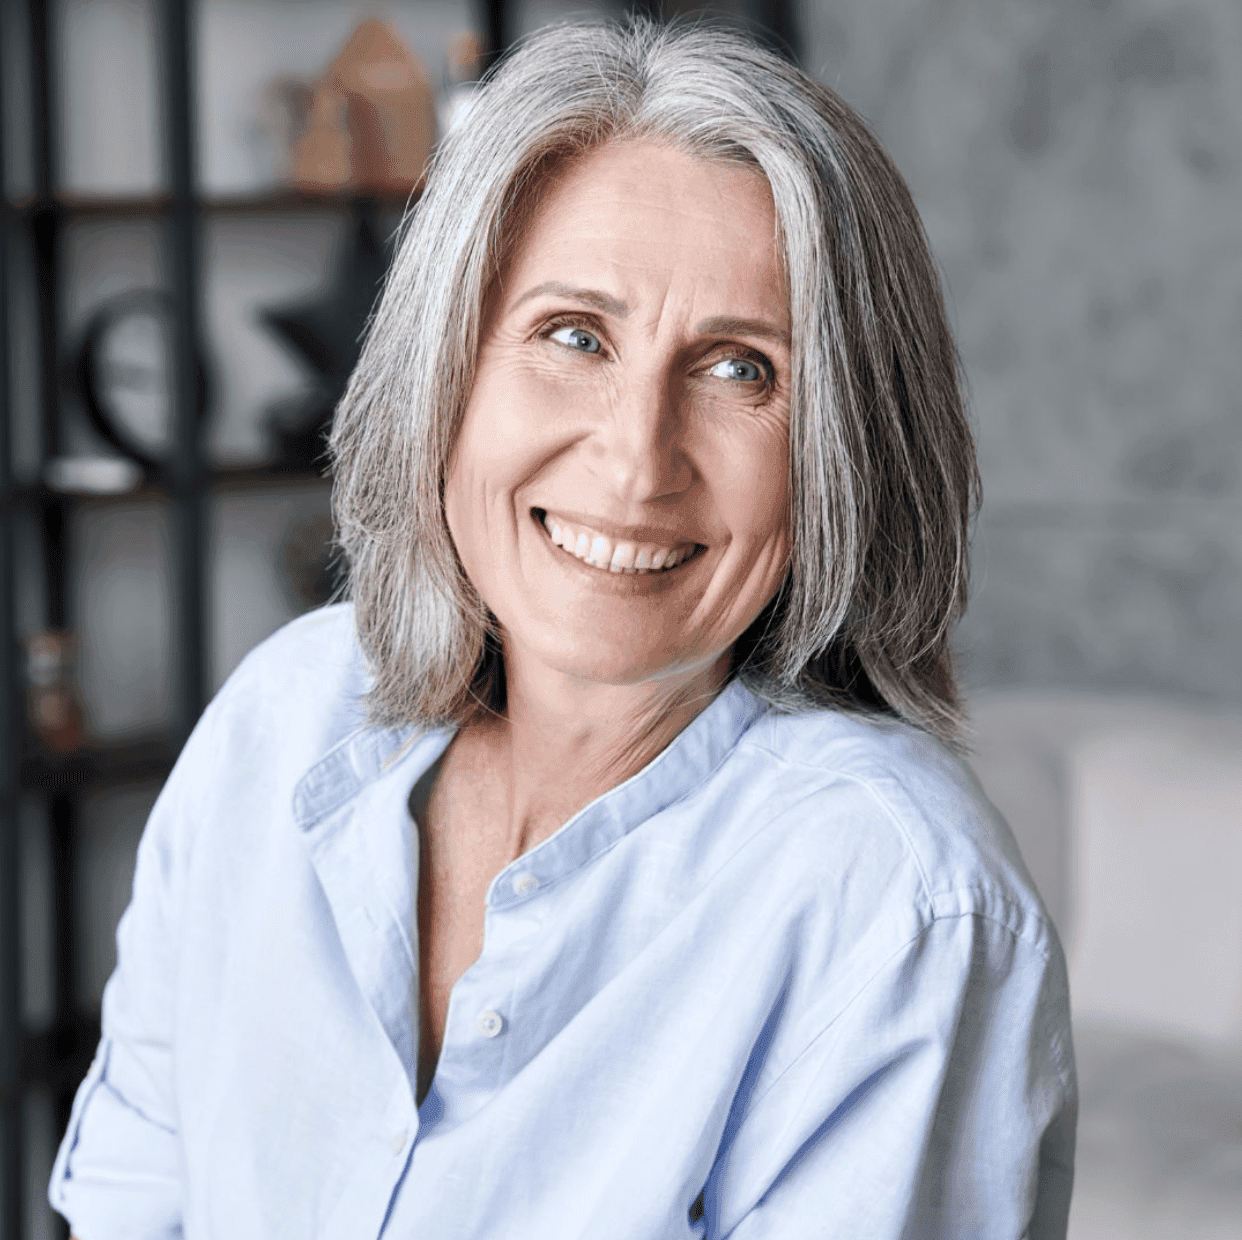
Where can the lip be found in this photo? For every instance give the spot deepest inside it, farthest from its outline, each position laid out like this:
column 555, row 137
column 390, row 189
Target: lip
column 622, row 583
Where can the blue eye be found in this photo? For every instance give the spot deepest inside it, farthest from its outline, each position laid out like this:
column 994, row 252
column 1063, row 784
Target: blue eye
column 739, row 369
column 576, row 338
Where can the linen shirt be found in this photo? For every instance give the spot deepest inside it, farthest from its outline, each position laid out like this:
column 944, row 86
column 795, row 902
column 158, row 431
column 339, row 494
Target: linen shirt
column 790, row 980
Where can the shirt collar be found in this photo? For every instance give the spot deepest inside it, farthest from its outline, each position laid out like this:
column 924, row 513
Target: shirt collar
column 356, row 761
column 672, row 774
column 350, row 807
column 369, row 753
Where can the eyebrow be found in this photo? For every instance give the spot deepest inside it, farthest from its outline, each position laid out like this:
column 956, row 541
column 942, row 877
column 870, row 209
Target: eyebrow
column 597, row 300
column 719, row 325
column 726, row 325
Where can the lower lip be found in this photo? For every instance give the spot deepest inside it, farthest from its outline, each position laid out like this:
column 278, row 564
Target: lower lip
column 652, row 582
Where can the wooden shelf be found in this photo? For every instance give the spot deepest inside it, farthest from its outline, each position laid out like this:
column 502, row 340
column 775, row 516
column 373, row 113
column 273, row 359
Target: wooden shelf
column 98, row 766
column 245, row 477
column 33, row 495
column 153, row 206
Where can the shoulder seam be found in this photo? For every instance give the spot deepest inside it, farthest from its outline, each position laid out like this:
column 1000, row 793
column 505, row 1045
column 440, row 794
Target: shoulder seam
column 897, row 952
column 877, row 797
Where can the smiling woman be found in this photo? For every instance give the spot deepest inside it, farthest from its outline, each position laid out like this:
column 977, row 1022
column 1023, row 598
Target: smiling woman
column 622, row 400
column 604, row 867
column 881, row 473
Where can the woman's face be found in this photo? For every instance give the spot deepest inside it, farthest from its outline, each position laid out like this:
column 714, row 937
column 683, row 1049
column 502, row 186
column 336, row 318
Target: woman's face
column 617, row 491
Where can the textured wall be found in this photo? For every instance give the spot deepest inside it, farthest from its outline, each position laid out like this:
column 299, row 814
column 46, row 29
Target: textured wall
column 1078, row 164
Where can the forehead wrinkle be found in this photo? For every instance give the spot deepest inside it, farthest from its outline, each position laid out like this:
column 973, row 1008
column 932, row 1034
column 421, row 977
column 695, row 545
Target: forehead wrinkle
column 595, row 298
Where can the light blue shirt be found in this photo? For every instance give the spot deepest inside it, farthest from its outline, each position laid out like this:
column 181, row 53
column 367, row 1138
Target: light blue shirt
column 790, row 980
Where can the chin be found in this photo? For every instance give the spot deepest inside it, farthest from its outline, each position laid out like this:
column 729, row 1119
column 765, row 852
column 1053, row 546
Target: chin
column 619, row 662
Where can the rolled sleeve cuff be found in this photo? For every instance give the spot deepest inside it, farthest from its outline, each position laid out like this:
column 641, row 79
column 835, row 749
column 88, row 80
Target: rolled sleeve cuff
column 118, row 1173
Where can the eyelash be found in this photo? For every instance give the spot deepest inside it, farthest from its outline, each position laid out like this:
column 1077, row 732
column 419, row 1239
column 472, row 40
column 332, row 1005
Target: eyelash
column 574, row 321
column 743, row 354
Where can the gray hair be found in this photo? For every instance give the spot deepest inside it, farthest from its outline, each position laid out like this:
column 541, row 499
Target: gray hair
column 883, row 480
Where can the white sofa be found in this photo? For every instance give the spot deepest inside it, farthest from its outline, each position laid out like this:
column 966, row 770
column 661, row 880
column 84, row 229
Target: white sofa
column 1129, row 814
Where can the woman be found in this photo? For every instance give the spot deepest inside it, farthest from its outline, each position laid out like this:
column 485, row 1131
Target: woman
column 604, row 870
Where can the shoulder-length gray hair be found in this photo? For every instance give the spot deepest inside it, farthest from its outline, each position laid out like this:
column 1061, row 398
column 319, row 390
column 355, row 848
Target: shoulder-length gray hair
column 883, row 478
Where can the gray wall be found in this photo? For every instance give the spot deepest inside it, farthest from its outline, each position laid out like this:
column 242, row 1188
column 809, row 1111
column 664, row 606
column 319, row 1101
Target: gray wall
column 1077, row 164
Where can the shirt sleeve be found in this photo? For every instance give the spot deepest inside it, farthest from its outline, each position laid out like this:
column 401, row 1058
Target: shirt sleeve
column 118, row 1174
column 940, row 1104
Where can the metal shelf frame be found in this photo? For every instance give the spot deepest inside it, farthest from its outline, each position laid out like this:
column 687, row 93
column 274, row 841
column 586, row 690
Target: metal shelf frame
column 10, row 738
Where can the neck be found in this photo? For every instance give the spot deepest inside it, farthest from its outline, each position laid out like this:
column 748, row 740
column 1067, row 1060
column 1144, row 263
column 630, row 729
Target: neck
column 564, row 741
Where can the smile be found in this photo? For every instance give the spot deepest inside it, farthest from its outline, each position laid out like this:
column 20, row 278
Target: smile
column 613, row 555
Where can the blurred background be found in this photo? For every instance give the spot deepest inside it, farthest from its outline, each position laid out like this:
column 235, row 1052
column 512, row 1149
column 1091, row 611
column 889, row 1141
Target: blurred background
column 198, row 201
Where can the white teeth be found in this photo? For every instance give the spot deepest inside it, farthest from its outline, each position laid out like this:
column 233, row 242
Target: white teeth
column 624, row 557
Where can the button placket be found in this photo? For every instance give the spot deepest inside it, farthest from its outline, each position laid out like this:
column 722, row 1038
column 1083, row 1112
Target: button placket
column 482, row 1006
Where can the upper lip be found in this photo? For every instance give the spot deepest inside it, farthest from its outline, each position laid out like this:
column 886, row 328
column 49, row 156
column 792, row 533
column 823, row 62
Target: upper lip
column 658, row 534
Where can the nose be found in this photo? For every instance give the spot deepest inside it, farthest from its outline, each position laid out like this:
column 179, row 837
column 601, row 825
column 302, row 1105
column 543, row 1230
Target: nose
column 640, row 449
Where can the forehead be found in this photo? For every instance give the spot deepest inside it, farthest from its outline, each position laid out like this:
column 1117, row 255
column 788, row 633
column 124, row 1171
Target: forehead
column 648, row 165
column 634, row 207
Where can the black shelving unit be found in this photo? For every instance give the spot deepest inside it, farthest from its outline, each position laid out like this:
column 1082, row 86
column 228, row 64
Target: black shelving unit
column 52, row 1061
column 11, row 1079
column 55, row 1059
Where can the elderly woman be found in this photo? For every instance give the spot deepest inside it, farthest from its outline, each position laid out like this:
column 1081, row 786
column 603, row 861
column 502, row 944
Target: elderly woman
column 605, row 869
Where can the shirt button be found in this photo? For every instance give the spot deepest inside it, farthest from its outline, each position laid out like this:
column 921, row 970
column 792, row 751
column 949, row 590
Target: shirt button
column 490, row 1023
column 398, row 1141
column 524, row 884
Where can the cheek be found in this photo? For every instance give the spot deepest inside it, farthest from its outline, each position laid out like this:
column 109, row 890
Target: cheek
column 466, row 513
column 751, row 485
column 496, row 451
column 510, row 424
column 478, row 464
column 769, row 499
column 465, row 491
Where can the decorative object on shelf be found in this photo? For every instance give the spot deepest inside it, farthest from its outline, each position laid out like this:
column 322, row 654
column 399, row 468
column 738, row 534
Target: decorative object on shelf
column 321, row 158
column 308, row 561
column 465, row 54
column 325, row 333
column 123, row 372
column 52, row 707
column 372, row 118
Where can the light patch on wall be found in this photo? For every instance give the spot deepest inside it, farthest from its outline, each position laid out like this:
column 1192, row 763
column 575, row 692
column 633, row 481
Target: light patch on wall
column 110, row 135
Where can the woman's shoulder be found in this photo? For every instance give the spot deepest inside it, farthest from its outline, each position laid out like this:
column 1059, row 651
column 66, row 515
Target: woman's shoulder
column 312, row 665
column 293, row 698
column 891, row 802
column 316, row 653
